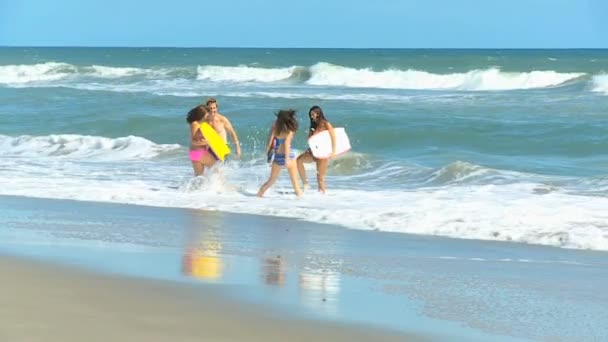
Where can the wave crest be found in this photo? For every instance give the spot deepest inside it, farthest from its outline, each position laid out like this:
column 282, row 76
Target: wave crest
column 600, row 83
column 326, row 74
column 80, row 146
column 320, row 74
column 459, row 172
column 23, row 73
column 113, row 72
column 245, row 73
column 20, row 74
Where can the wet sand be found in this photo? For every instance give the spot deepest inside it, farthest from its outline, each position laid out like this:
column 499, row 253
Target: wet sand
column 43, row 302
column 178, row 274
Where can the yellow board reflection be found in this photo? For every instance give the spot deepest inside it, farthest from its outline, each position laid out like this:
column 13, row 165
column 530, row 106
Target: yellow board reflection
column 203, row 262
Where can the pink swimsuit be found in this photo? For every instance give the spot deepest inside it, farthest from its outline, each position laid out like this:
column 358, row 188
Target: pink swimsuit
column 197, row 155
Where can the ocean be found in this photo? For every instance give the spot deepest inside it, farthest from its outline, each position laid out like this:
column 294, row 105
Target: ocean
column 505, row 145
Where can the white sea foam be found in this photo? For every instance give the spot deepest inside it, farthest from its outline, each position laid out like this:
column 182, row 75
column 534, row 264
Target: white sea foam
column 73, row 146
column 318, row 75
column 21, row 74
column 475, row 80
column 513, row 211
column 114, row 72
column 326, row 74
column 600, row 83
column 243, row 73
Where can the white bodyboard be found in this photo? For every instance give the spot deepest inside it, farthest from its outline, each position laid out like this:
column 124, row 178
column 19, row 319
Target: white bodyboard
column 320, row 143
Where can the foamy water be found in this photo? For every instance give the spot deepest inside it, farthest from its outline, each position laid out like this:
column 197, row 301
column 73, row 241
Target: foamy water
column 80, row 147
column 25, row 73
column 243, row 74
column 453, row 201
column 489, row 79
column 600, row 83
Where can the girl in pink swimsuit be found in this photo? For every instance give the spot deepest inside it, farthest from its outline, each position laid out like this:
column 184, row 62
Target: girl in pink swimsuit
column 200, row 155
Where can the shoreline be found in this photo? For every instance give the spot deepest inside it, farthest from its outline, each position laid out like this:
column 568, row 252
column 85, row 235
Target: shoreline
column 432, row 287
column 329, row 225
column 48, row 302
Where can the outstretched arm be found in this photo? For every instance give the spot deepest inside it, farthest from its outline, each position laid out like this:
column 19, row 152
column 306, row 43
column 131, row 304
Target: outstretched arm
column 332, row 136
column 235, row 138
column 270, row 139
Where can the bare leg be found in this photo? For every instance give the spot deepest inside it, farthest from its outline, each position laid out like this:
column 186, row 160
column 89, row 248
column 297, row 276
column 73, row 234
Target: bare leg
column 321, row 172
column 293, row 174
column 274, row 174
column 219, row 173
column 208, row 160
column 198, row 167
column 305, row 157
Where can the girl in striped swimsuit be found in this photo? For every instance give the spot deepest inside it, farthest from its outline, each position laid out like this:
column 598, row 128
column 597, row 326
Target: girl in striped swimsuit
column 283, row 132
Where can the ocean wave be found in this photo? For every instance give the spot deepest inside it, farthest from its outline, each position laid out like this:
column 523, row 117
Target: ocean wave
column 114, row 72
column 461, row 172
column 460, row 199
column 326, row 74
column 244, row 73
column 20, row 74
column 457, row 173
column 72, row 146
column 508, row 212
column 350, row 163
column 593, row 186
column 475, row 80
column 318, row 75
column 600, row 83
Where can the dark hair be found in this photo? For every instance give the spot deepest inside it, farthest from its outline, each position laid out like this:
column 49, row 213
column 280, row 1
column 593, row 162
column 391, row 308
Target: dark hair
column 210, row 101
column 313, row 123
column 197, row 113
column 286, row 121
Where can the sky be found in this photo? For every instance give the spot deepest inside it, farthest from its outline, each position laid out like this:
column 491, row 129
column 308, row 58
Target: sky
column 306, row 23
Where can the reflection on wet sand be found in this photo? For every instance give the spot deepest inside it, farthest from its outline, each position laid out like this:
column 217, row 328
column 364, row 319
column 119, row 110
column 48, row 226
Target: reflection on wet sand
column 202, row 259
column 273, row 271
column 313, row 278
column 198, row 264
column 320, row 289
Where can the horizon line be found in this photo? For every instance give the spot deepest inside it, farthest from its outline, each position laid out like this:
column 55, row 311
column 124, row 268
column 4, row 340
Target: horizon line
column 299, row 47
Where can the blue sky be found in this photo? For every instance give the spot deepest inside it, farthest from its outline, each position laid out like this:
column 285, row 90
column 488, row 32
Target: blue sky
column 307, row 23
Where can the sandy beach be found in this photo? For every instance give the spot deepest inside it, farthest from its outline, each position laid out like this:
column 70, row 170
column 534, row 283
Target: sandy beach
column 76, row 271
column 41, row 302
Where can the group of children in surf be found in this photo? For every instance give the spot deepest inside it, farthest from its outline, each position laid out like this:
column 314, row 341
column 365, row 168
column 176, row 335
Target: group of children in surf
column 279, row 144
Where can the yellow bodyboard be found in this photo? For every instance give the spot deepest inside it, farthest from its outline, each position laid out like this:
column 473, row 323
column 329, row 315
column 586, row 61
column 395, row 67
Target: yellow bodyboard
column 215, row 141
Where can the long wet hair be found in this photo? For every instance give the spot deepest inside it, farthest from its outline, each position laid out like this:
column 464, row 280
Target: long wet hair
column 286, row 121
column 321, row 118
column 197, row 113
